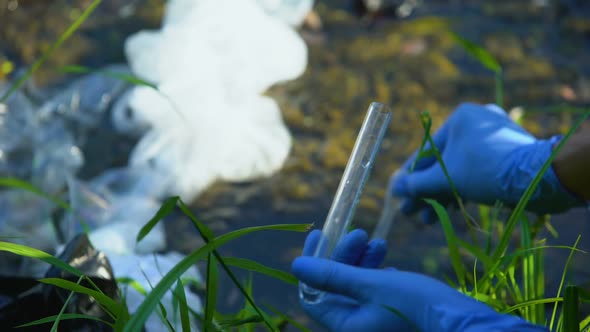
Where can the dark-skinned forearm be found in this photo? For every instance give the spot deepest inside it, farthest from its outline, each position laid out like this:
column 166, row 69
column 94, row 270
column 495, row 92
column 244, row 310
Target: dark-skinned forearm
column 572, row 164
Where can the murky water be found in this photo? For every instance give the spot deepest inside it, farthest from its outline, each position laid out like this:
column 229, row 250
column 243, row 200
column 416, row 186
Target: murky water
column 411, row 64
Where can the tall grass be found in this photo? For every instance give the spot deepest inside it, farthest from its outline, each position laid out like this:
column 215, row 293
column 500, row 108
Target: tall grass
column 498, row 284
column 487, row 60
column 212, row 320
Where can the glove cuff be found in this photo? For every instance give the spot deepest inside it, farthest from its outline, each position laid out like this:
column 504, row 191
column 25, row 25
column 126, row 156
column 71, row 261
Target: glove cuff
column 520, row 170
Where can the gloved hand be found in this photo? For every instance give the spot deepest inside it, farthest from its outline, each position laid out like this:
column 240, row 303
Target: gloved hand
column 360, row 294
column 489, row 158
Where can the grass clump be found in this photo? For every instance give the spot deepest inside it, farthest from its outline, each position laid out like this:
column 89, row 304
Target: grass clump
column 510, row 281
column 247, row 319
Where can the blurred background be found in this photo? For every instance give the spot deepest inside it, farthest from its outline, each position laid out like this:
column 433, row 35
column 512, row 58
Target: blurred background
column 397, row 52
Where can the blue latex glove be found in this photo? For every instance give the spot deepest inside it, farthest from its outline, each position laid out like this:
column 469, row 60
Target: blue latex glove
column 359, row 293
column 489, row 158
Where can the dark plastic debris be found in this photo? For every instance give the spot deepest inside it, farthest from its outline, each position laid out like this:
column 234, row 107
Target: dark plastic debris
column 23, row 300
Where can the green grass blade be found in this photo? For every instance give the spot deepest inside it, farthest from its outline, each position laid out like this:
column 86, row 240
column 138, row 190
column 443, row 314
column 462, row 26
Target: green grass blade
column 563, row 275
column 250, row 265
column 288, row 319
column 527, row 269
column 508, row 260
column 241, row 321
column 205, row 231
column 64, row 36
column 104, row 300
column 485, row 59
column 38, row 254
column 476, row 251
column 584, row 294
column 571, row 317
column 486, row 222
column 64, row 316
column 532, row 302
column 180, row 297
column 207, row 235
column 533, row 274
column 138, row 319
column 427, row 124
column 522, row 252
column 248, row 308
column 585, row 324
column 75, row 69
column 475, row 293
column 25, row 251
column 478, row 53
column 123, row 316
column 451, row 238
column 212, row 290
column 165, row 209
column 519, row 209
column 162, row 313
column 24, row 185
column 539, row 292
column 516, row 292
column 133, row 283
column 497, row 304
column 55, row 324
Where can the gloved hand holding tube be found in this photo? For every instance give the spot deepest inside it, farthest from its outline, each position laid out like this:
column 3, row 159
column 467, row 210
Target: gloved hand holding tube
column 360, row 296
column 350, row 188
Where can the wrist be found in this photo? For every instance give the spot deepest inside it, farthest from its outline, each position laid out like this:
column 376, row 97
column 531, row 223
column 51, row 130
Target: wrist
column 521, row 168
column 571, row 166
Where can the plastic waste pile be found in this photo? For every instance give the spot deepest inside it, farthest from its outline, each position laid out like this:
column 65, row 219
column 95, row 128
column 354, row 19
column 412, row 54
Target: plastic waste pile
column 49, row 153
column 41, row 143
column 211, row 62
column 26, row 293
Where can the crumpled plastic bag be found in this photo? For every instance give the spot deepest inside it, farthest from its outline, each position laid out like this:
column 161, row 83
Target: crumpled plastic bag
column 114, row 212
column 24, row 300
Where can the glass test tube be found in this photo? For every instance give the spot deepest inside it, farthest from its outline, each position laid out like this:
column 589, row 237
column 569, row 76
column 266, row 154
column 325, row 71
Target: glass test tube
column 351, row 184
